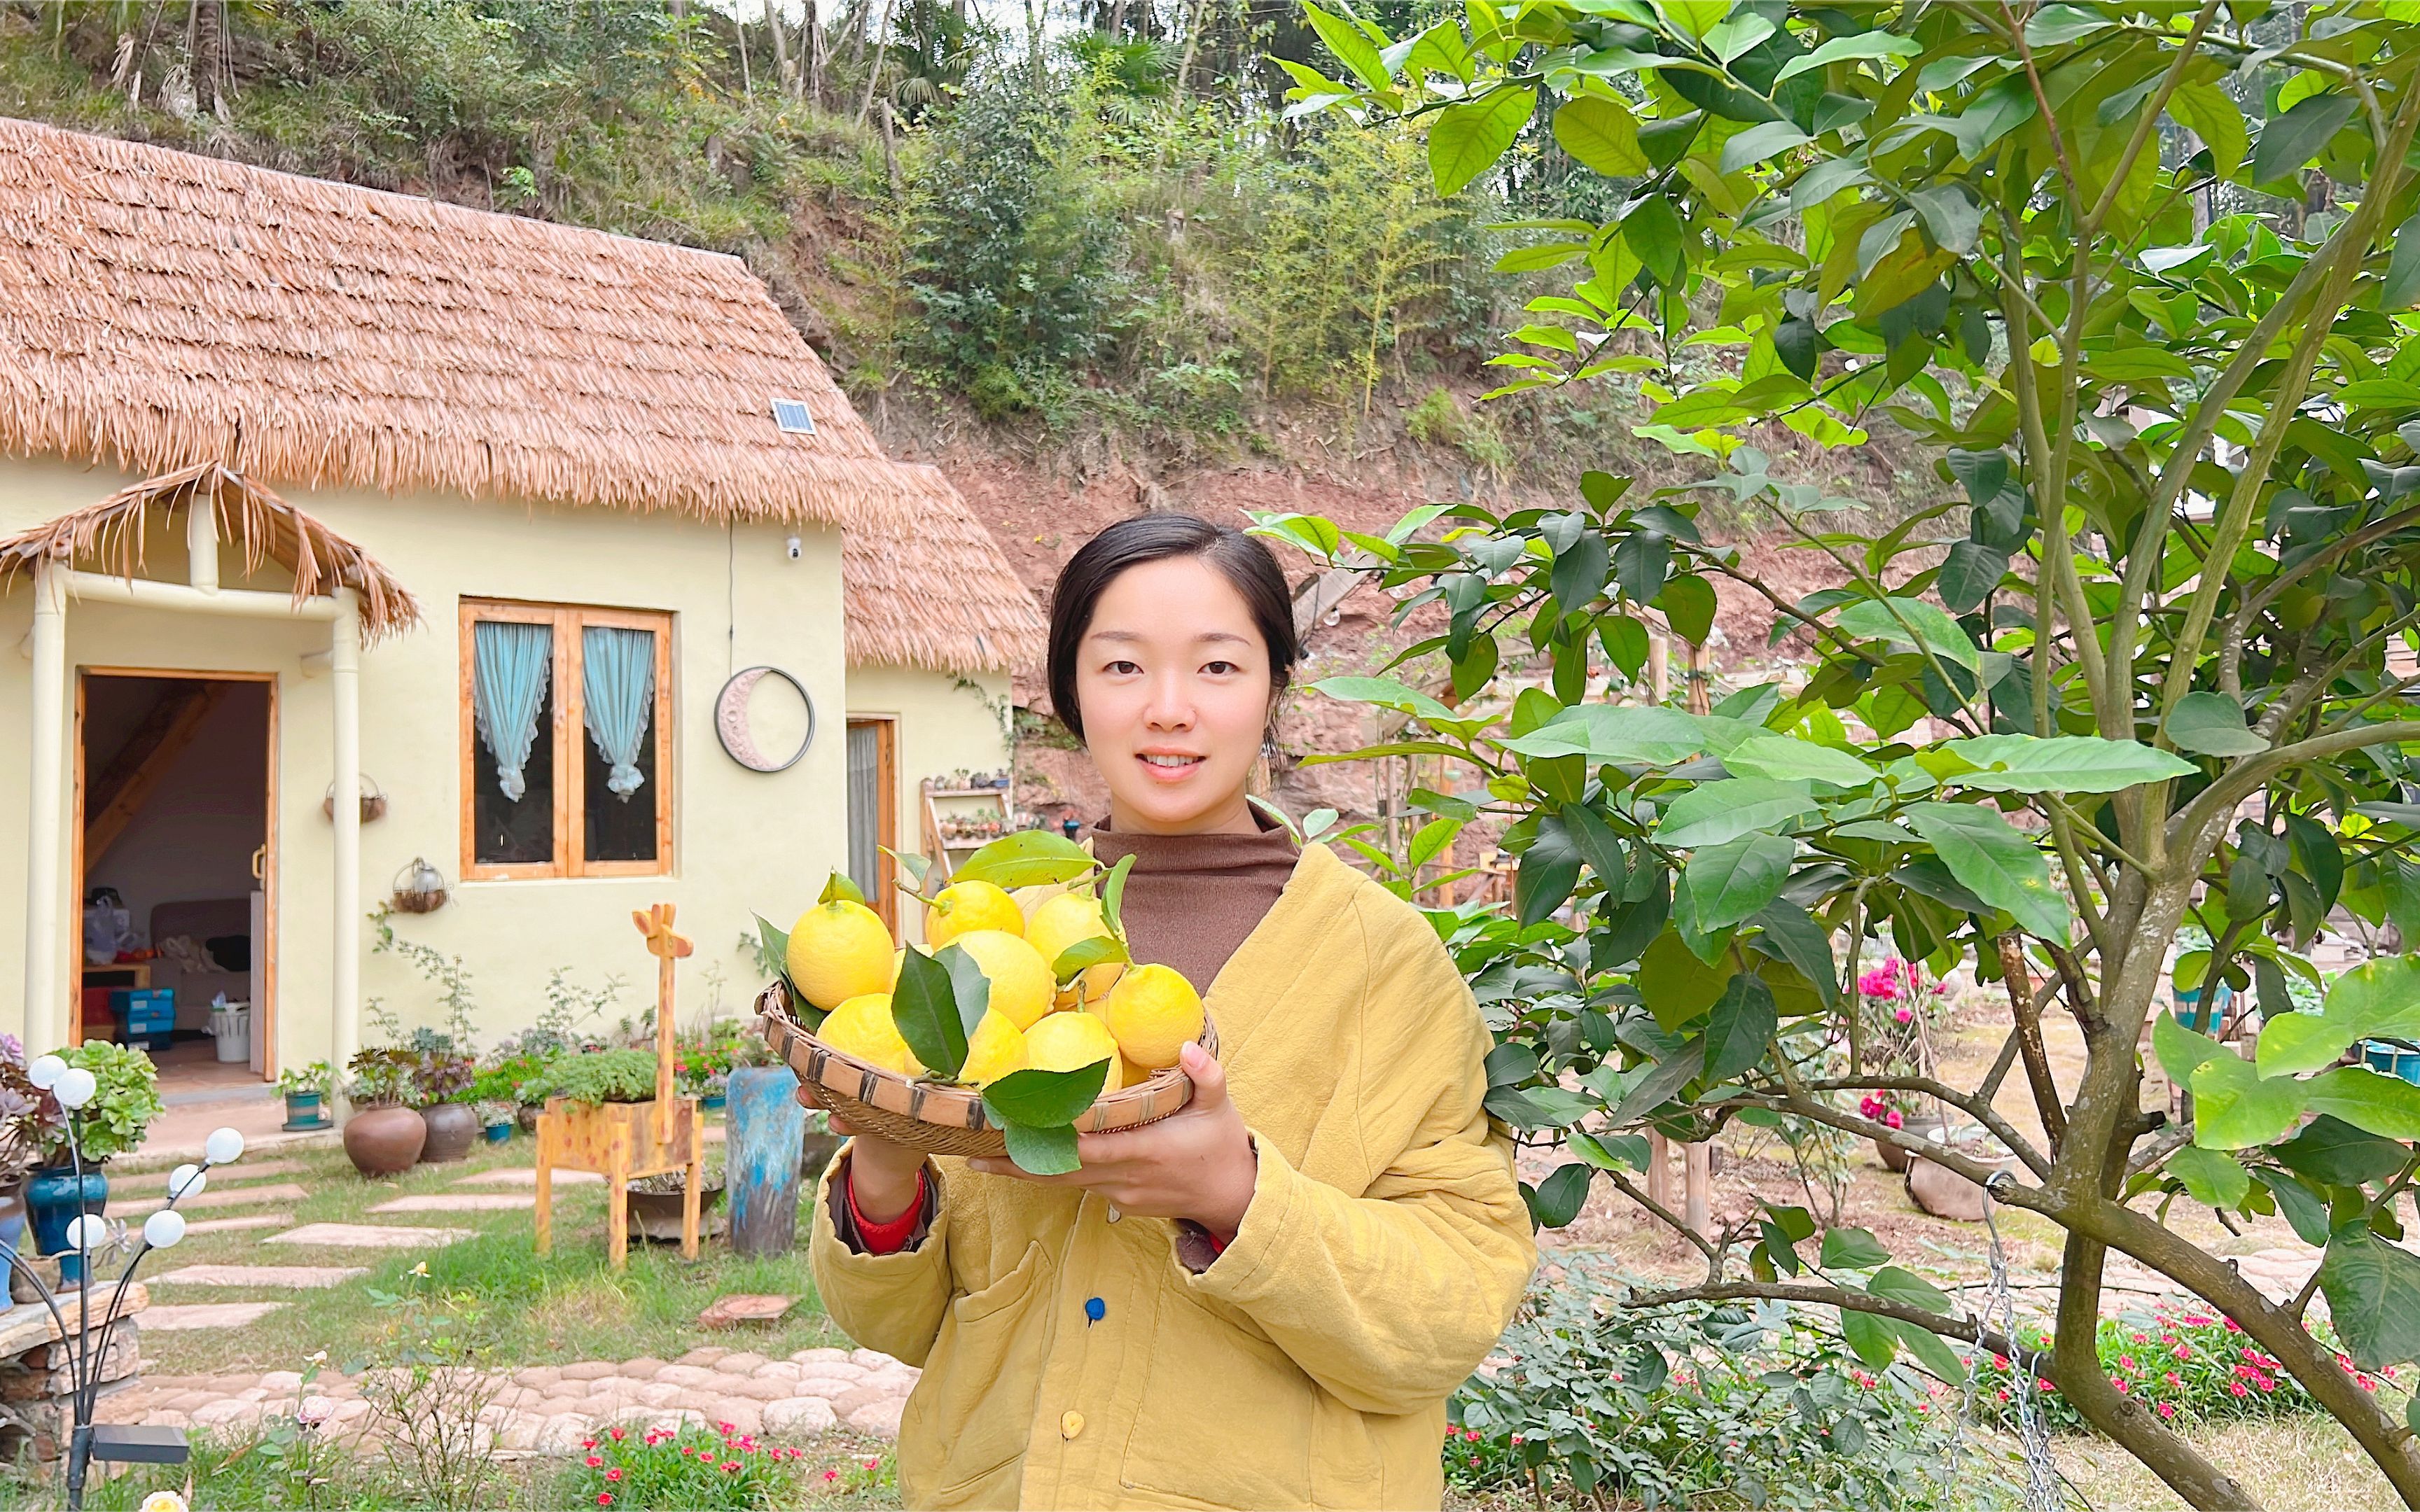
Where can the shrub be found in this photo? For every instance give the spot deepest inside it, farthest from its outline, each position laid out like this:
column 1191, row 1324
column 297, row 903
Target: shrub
column 507, row 1080
column 379, row 1077
column 127, row 1100
column 2185, row 1362
column 1692, row 1403
column 595, row 1076
column 692, row 1468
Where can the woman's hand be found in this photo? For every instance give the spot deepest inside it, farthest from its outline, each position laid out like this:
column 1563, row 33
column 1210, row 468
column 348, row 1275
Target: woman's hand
column 882, row 1176
column 1197, row 1162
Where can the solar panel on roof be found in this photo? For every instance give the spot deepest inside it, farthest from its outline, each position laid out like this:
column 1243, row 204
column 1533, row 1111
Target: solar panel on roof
column 791, row 415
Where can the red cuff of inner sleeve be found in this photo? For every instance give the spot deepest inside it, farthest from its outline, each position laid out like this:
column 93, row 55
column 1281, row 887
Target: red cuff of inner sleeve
column 891, row 1238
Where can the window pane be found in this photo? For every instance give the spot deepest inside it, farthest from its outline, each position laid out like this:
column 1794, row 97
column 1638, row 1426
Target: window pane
column 620, row 707
column 515, row 702
column 866, row 808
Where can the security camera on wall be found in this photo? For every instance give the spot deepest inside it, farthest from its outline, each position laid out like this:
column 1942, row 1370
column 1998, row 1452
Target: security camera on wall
column 794, row 547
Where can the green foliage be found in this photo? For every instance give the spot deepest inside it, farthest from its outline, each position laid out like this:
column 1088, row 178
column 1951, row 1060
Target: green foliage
column 297, row 1080
column 694, row 1467
column 2173, row 566
column 1693, row 1404
column 595, row 1076
column 127, row 1100
column 1009, row 259
column 378, row 1078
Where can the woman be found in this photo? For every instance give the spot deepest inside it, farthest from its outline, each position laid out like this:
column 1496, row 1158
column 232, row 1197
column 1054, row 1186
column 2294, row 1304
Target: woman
column 1264, row 1299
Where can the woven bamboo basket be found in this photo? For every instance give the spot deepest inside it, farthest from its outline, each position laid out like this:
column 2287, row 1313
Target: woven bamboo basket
column 940, row 1121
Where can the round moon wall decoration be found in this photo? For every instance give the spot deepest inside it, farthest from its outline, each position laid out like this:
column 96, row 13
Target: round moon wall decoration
column 736, row 717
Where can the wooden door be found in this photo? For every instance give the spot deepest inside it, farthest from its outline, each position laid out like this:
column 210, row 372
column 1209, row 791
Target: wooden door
column 873, row 813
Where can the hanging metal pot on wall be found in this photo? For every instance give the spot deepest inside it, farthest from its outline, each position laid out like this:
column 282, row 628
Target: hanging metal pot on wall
column 373, row 800
column 419, row 889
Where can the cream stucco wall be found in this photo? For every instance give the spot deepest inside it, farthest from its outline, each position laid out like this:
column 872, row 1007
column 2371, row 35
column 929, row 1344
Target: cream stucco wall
column 743, row 842
column 941, row 726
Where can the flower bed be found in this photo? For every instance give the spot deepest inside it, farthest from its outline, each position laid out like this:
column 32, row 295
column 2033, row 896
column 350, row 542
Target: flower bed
column 692, row 1468
column 2186, row 1362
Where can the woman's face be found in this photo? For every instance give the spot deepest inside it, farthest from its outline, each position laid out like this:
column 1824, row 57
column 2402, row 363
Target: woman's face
column 1173, row 686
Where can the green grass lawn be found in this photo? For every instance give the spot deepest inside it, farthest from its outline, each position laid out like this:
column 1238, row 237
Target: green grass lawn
column 567, row 1307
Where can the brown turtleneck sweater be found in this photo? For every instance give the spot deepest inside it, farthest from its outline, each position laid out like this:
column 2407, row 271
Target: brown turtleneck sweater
column 1191, row 898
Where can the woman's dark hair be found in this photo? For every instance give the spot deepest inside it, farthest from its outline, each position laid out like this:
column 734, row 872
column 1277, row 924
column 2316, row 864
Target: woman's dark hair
column 1246, row 562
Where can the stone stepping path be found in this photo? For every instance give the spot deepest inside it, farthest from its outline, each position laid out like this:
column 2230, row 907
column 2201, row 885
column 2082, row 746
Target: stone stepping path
column 462, row 1202
column 262, row 1275
column 249, row 1220
column 167, row 1319
column 214, row 1196
column 228, row 1175
column 369, row 1235
column 550, row 1408
column 527, row 1176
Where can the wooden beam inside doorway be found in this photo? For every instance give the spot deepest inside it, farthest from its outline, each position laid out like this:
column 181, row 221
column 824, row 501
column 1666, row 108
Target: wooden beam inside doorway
column 140, row 766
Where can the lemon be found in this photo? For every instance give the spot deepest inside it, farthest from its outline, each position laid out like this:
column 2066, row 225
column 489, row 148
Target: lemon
column 1021, row 984
column 1070, row 919
column 964, row 907
column 1070, row 1042
column 863, row 1027
column 996, row 1048
column 1153, row 1010
column 837, row 952
column 1130, row 1074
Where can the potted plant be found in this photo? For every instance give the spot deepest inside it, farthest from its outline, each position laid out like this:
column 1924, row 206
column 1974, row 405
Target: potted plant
column 25, row 1127
column 305, row 1091
column 382, row 1137
column 439, row 1087
column 120, row 1106
column 495, row 1120
column 592, row 1088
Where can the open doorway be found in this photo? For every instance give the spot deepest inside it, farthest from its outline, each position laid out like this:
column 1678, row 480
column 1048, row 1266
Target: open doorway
column 176, row 843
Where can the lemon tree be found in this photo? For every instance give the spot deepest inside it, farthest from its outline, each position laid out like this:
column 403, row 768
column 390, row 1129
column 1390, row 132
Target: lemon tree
column 2140, row 281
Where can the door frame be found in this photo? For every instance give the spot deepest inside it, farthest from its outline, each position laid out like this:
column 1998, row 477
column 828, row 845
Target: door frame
column 264, row 1014
column 885, row 821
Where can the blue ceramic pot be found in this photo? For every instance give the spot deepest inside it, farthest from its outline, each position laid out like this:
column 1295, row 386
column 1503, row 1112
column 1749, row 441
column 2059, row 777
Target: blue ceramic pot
column 51, row 1202
column 499, row 1132
column 713, row 1101
column 12, row 1217
column 303, row 1111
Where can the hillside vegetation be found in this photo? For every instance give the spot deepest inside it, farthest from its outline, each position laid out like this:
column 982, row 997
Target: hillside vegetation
column 1103, row 225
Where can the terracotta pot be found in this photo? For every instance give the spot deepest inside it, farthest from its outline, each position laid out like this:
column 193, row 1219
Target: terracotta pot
column 1893, row 1157
column 385, row 1141
column 452, row 1129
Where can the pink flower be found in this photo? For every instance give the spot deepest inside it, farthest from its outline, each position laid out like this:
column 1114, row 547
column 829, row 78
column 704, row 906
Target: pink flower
column 1905, row 1015
column 588, row 1444
column 1893, row 1118
column 730, row 1467
column 594, row 1461
column 2233, row 1327
column 2125, row 1362
column 832, row 1475
column 2237, row 1388
column 2167, row 1408
column 615, row 1474
column 2119, row 1382
column 2173, row 1379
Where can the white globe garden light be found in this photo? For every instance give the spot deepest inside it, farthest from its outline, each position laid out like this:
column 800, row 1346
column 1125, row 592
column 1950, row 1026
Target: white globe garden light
column 90, row 1231
column 75, row 1088
column 164, row 1229
column 224, row 1147
column 45, row 1072
column 187, row 1179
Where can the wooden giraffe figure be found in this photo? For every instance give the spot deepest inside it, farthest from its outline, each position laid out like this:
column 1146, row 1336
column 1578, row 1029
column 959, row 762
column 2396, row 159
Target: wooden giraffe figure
column 624, row 1141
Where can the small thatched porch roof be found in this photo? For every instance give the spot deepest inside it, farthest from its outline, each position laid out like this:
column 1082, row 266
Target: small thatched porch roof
column 109, row 537
column 937, row 595
column 158, row 309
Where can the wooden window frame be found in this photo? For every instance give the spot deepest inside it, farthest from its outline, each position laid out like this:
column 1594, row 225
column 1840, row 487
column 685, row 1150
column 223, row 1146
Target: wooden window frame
column 570, row 732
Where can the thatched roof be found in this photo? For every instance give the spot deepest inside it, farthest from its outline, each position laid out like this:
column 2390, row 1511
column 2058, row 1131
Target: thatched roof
column 109, row 536
column 937, row 595
column 159, row 309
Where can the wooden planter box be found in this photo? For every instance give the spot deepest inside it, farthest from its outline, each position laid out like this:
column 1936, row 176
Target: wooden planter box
column 619, row 1141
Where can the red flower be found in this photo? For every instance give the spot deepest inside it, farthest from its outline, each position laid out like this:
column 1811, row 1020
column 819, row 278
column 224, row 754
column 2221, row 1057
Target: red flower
column 588, row 1444
column 617, row 1435
column 832, row 1475
column 615, row 1474
column 604, row 1498
column 594, row 1461
column 730, row 1466
column 2237, row 1387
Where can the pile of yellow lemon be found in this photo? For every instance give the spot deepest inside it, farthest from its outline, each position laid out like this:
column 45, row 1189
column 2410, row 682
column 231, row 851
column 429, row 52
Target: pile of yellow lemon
column 1136, row 1017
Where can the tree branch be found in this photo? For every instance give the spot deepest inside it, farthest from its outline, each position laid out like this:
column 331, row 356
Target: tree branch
column 1965, row 1329
column 1973, row 1108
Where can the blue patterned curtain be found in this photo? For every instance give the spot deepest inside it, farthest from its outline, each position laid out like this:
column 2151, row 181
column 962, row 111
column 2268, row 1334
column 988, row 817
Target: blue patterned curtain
column 510, row 665
column 617, row 684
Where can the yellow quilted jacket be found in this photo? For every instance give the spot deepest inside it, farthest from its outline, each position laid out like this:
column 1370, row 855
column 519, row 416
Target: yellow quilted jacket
column 1384, row 1251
